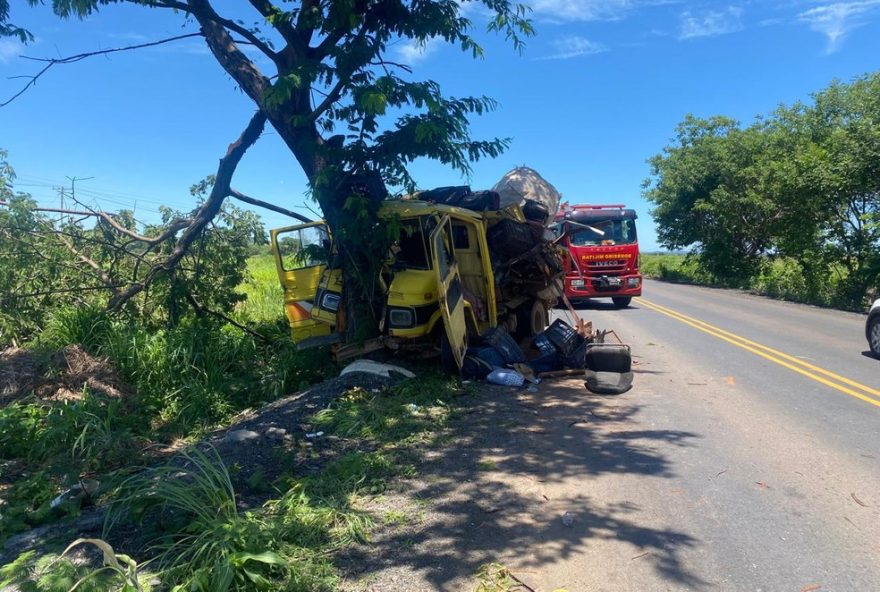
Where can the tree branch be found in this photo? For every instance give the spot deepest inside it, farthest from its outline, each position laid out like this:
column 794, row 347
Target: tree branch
column 173, row 227
column 99, row 272
column 269, row 206
column 205, row 10
column 206, row 213
column 201, row 309
column 271, row 13
column 227, row 53
column 81, row 56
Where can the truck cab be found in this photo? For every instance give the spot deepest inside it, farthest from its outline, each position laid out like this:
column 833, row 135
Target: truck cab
column 603, row 248
column 439, row 280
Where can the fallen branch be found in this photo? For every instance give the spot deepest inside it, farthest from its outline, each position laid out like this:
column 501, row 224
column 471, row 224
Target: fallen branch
column 99, row 271
column 205, row 214
column 173, row 227
column 201, row 309
column 269, row 206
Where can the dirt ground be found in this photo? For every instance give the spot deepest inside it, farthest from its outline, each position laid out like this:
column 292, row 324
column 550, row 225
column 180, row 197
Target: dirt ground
column 61, row 375
column 516, row 463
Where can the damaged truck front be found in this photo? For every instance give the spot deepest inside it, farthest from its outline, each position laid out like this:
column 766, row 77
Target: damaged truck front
column 454, row 273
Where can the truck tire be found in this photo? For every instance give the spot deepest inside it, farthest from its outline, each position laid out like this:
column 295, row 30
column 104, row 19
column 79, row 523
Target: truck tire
column 621, row 301
column 532, row 319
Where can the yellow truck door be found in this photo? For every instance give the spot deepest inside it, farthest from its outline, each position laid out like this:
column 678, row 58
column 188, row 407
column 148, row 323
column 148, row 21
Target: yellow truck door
column 449, row 286
column 301, row 254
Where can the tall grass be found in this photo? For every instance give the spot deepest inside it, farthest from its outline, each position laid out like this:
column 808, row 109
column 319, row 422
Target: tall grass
column 779, row 277
column 265, row 299
column 195, row 374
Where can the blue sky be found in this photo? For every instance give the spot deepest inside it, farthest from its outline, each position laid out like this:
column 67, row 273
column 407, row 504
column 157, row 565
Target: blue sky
column 596, row 92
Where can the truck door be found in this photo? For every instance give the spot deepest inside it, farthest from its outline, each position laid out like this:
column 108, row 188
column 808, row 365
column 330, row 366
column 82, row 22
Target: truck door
column 301, row 253
column 450, row 290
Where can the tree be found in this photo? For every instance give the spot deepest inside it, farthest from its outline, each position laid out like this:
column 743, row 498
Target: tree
column 802, row 183
column 330, row 96
column 707, row 191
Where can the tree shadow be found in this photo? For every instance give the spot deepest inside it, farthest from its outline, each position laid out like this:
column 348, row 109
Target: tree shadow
column 485, row 499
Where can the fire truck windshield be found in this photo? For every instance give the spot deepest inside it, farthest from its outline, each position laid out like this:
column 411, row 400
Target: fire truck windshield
column 603, row 232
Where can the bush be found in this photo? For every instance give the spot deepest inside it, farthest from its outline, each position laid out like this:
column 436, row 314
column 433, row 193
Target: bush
column 196, row 373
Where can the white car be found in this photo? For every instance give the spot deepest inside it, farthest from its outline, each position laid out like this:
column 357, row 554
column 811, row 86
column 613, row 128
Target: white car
column 872, row 328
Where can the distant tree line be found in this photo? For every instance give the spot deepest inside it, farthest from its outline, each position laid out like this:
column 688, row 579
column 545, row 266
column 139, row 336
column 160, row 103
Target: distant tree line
column 798, row 189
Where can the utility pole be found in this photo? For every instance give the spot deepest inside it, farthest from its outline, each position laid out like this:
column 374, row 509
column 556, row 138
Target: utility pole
column 73, row 181
column 61, row 192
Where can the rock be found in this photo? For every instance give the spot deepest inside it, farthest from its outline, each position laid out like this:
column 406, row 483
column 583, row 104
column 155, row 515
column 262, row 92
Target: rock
column 238, row 436
column 276, row 433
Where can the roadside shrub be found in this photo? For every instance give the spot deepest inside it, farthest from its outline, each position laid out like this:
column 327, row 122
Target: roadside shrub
column 674, row 267
column 194, row 374
column 783, row 279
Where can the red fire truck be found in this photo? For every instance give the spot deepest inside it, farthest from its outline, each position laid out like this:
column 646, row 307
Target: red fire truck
column 604, row 252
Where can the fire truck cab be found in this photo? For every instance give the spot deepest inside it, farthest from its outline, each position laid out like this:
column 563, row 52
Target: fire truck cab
column 603, row 252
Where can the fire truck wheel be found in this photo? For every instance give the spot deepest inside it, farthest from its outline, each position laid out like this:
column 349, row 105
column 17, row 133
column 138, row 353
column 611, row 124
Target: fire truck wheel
column 532, row 319
column 621, row 301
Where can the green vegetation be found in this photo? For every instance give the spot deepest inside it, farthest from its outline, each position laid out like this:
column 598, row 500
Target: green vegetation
column 788, row 206
column 164, row 385
column 201, row 540
column 262, row 290
column 355, row 144
column 780, row 278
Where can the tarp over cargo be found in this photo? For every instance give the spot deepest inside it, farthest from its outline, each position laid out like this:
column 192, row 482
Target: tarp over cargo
column 524, row 183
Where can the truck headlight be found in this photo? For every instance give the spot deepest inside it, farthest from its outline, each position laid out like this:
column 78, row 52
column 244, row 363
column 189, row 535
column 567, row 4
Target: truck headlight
column 330, row 301
column 633, row 282
column 578, row 283
column 401, row 317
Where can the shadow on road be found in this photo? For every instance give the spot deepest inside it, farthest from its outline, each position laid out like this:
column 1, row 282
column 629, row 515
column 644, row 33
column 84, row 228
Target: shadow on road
column 485, row 496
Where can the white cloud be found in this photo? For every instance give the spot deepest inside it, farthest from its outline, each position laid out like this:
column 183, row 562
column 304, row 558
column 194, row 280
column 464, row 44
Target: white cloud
column 710, row 23
column 9, row 49
column 410, row 51
column 565, row 11
column 574, row 46
column 581, row 10
column 836, row 20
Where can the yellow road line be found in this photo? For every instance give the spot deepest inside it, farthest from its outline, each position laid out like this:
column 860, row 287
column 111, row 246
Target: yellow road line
column 774, row 356
column 783, row 355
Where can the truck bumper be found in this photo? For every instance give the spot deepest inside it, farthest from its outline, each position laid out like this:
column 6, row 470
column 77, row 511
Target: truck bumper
column 587, row 287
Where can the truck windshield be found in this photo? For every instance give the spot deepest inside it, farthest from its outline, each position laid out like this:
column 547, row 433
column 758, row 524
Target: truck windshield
column 410, row 250
column 610, row 232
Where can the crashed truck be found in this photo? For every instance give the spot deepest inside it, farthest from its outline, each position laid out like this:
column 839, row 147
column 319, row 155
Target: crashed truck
column 470, row 267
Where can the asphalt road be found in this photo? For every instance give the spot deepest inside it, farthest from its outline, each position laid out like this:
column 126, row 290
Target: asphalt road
column 748, row 457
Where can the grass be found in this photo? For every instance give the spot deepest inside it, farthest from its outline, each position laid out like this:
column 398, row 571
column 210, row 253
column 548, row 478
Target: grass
column 495, row 577
column 184, row 380
column 265, row 299
column 781, row 278
column 672, row 267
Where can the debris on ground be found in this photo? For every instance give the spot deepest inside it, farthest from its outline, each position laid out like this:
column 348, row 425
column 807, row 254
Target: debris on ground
column 560, row 350
column 377, row 368
column 59, row 376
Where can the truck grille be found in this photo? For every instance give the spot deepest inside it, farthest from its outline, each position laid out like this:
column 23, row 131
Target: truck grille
column 606, row 266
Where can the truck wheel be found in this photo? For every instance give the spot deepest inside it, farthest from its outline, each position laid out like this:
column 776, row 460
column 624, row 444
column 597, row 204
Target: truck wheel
column 621, row 301
column 532, row 319
column 874, row 336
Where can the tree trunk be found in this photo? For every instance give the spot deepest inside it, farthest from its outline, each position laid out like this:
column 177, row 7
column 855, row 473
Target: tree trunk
column 351, row 210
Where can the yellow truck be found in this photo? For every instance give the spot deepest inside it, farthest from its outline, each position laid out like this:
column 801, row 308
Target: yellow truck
column 447, row 285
